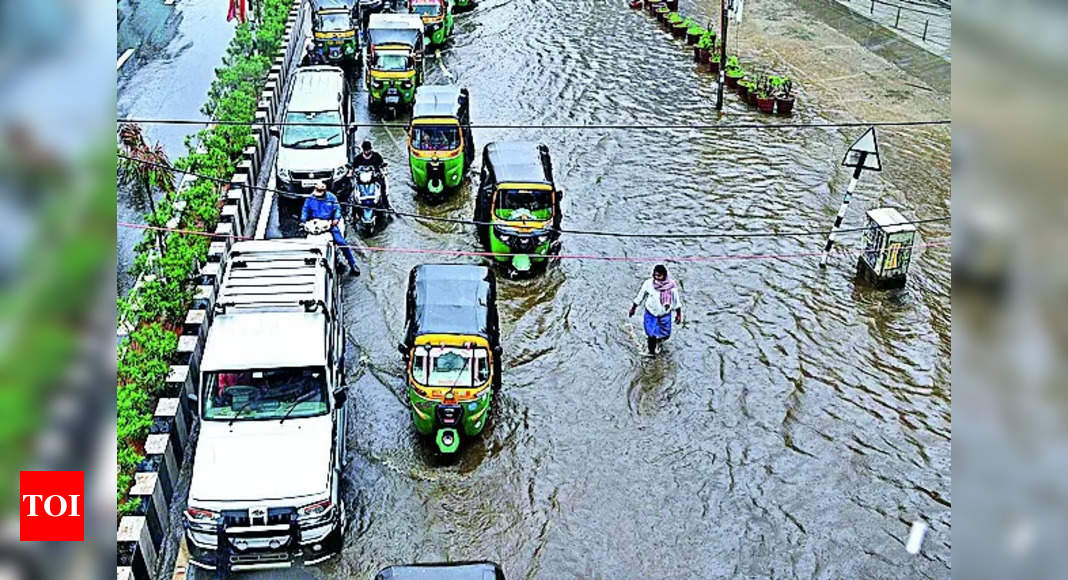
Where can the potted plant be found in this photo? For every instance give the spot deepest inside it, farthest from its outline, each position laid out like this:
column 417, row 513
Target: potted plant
column 713, row 60
column 678, row 27
column 764, row 97
column 784, row 96
column 733, row 72
column 704, row 46
column 745, row 86
column 694, row 32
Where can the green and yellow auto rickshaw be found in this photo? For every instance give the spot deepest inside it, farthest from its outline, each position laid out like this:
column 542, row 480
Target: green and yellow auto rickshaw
column 518, row 205
column 394, row 59
column 440, row 145
column 334, row 33
column 452, row 350
column 437, row 19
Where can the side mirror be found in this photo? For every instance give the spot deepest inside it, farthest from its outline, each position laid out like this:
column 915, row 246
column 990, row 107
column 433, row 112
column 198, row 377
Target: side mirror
column 192, row 398
column 352, row 130
column 401, row 348
column 273, row 130
column 560, row 194
column 340, row 396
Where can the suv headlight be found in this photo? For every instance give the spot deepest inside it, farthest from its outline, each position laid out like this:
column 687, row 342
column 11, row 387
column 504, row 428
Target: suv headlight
column 285, row 174
column 205, row 520
column 315, row 512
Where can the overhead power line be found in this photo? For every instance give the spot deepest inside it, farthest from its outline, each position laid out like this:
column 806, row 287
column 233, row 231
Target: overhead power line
column 663, row 235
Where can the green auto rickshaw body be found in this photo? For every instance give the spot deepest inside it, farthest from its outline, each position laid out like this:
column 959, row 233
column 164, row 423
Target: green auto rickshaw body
column 518, row 205
column 394, row 59
column 452, row 350
column 335, row 31
column 437, row 19
column 440, row 144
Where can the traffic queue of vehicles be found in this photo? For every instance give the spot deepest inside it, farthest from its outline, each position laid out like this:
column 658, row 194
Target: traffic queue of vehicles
column 272, row 393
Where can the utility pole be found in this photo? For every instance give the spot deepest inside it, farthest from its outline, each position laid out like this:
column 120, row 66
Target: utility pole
column 863, row 154
column 722, row 54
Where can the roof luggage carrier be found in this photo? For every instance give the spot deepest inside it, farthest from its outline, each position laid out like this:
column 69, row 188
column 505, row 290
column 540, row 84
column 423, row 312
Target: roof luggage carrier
column 274, row 276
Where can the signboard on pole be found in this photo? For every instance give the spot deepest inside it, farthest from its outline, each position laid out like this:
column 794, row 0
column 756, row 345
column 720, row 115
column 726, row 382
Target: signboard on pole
column 864, row 153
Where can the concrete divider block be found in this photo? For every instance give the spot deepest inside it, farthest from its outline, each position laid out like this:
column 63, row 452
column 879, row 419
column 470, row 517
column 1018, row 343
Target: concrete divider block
column 260, row 132
column 179, row 381
column 195, row 322
column 204, row 297
column 159, row 447
column 209, row 272
column 252, row 155
column 217, row 250
column 125, row 573
column 149, row 490
column 135, row 548
column 239, row 199
column 171, row 410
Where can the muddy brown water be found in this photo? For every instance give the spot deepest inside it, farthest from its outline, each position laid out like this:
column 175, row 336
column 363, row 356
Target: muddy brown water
column 796, row 424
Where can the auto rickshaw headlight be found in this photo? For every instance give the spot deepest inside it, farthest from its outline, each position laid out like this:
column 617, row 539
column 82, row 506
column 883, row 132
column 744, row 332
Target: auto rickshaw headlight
column 504, row 237
column 541, row 239
column 407, row 84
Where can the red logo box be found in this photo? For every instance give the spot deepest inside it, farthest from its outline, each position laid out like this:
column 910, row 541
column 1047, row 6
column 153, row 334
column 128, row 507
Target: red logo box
column 51, row 506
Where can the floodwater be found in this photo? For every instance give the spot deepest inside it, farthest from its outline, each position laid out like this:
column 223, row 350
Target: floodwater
column 796, row 424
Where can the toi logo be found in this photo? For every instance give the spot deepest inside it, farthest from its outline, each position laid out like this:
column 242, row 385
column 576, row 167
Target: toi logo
column 51, row 506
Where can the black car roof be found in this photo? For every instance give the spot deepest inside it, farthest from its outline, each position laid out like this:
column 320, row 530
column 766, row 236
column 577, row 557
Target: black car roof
column 517, row 161
column 452, row 299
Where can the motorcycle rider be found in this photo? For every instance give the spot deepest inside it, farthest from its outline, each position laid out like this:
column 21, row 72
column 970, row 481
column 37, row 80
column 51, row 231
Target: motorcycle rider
column 371, row 159
column 324, row 205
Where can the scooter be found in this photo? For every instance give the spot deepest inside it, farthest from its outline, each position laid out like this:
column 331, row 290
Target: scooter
column 369, row 212
column 318, row 230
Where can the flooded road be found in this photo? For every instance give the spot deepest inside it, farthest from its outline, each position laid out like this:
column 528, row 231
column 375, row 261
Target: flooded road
column 795, row 426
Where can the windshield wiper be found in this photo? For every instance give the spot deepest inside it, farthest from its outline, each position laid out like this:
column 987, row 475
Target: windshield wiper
column 459, row 375
column 312, row 140
column 237, row 411
column 297, row 401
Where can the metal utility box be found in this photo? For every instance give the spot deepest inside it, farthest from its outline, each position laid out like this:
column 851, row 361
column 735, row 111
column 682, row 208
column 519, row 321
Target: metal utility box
column 888, row 244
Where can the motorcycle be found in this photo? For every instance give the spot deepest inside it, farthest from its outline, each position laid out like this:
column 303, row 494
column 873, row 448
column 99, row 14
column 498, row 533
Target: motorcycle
column 318, row 230
column 369, row 211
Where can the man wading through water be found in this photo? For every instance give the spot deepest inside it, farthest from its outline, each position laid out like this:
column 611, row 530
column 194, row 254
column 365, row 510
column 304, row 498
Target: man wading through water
column 660, row 295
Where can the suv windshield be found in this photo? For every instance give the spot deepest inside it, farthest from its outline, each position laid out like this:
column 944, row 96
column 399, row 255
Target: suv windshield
column 430, row 138
column 427, row 9
column 450, row 366
column 335, row 22
column 265, row 394
column 316, row 130
column 385, row 61
column 524, row 204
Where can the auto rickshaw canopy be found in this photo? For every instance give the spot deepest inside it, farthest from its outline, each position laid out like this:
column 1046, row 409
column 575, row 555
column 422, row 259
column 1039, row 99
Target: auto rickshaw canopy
column 438, row 101
column 519, row 162
column 452, row 299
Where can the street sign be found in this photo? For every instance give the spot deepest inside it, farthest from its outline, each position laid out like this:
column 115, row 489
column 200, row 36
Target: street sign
column 864, row 153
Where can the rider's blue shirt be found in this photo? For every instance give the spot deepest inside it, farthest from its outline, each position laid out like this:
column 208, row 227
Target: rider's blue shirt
column 326, row 207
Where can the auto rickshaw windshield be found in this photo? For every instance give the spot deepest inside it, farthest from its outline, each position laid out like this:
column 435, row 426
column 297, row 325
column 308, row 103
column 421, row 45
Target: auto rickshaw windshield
column 385, row 61
column 435, row 138
column 265, row 394
column 524, row 204
column 450, row 366
column 427, row 9
column 335, row 22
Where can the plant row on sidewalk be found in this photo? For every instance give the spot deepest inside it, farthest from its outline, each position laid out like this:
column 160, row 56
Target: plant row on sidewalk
column 169, row 262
